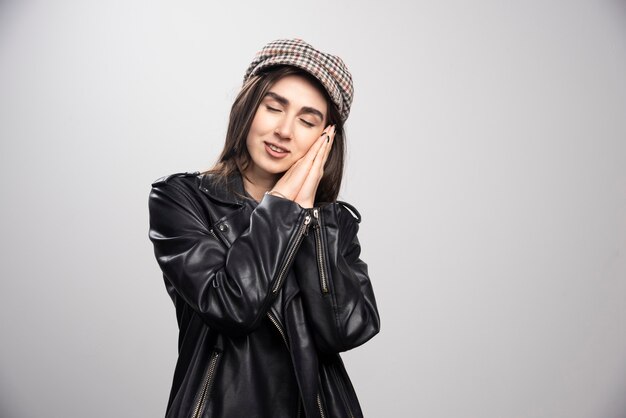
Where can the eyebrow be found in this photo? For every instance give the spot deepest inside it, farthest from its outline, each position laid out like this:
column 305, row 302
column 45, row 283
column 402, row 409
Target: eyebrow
column 305, row 109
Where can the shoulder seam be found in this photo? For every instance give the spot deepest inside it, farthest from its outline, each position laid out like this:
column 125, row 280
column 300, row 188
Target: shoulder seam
column 351, row 210
column 195, row 208
column 166, row 178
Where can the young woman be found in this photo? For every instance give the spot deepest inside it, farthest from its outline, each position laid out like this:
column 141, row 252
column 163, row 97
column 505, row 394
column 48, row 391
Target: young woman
column 260, row 259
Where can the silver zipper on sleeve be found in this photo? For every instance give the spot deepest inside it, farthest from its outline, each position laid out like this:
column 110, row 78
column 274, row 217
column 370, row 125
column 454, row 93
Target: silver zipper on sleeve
column 292, row 252
column 206, row 387
column 319, row 249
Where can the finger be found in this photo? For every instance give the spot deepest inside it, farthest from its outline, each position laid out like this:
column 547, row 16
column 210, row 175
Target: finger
column 325, row 140
column 305, row 162
column 307, row 159
column 329, row 147
column 320, row 158
column 314, row 149
column 325, row 152
column 311, row 182
column 309, row 187
column 297, row 174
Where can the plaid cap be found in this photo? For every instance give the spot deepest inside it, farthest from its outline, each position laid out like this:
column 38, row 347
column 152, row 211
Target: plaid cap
column 330, row 70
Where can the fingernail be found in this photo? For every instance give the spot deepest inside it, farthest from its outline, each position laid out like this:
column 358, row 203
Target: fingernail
column 327, row 138
column 324, row 133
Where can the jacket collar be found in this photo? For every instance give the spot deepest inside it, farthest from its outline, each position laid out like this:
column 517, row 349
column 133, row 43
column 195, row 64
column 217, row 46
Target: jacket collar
column 232, row 192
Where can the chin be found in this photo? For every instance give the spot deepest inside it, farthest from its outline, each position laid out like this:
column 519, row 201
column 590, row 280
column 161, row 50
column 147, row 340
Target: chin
column 275, row 170
column 270, row 168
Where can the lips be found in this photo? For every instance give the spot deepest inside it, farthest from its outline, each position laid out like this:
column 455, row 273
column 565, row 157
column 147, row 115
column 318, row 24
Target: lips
column 276, row 148
column 275, row 151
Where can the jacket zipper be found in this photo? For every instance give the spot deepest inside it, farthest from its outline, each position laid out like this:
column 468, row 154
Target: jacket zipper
column 319, row 404
column 278, row 327
column 206, row 387
column 320, row 252
column 217, row 237
column 292, row 252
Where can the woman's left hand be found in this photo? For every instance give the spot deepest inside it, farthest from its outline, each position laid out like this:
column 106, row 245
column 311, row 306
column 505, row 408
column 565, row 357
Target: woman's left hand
column 306, row 196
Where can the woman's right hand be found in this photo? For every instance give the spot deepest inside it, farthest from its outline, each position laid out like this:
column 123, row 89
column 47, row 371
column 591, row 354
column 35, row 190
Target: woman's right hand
column 295, row 177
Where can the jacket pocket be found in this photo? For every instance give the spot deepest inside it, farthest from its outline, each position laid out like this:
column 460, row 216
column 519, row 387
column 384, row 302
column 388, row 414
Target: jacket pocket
column 207, row 385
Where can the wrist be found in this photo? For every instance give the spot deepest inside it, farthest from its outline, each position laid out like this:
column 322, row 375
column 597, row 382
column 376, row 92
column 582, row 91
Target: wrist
column 277, row 193
column 306, row 204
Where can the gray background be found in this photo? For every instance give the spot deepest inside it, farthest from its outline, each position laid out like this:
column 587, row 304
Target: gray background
column 487, row 157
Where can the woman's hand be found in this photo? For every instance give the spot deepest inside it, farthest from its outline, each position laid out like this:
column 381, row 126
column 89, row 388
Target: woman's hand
column 306, row 196
column 300, row 182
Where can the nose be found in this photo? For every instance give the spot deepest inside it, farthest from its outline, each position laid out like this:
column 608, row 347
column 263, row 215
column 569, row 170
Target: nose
column 284, row 128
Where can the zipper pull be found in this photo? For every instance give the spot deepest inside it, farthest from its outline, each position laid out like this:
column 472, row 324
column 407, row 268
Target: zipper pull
column 307, row 221
column 316, row 215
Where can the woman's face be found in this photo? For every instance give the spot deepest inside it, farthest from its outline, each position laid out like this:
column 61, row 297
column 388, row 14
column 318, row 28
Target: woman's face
column 289, row 119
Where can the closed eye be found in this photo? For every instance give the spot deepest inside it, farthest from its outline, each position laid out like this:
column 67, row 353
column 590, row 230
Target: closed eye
column 272, row 109
column 309, row 124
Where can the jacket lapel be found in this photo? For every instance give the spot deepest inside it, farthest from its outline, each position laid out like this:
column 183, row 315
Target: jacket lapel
column 228, row 191
column 231, row 216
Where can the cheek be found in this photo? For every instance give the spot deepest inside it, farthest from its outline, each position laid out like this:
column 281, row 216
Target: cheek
column 256, row 128
column 248, row 145
column 262, row 123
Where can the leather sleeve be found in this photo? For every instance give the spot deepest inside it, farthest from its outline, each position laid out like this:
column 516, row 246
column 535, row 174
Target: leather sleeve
column 230, row 288
column 335, row 283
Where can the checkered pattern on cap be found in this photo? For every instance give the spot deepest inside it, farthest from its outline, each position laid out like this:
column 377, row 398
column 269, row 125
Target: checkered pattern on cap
column 329, row 69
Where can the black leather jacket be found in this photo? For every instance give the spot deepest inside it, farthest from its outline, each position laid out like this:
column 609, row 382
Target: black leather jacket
column 266, row 296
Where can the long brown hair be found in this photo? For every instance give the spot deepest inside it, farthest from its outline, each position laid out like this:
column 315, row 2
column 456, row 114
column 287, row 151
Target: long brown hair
column 235, row 156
